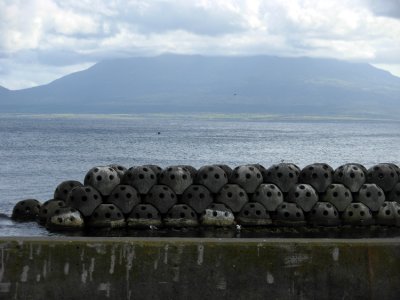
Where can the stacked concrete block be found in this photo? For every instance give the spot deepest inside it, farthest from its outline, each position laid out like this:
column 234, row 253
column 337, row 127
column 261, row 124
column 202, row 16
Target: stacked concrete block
column 215, row 195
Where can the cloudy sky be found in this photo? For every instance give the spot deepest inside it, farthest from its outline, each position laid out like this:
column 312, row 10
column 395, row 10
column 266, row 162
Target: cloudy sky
column 41, row 40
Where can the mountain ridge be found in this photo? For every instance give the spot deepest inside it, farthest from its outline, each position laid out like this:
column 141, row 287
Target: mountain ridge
column 190, row 83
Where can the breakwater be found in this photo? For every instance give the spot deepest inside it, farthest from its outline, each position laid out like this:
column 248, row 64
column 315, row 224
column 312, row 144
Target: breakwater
column 216, row 195
column 157, row 268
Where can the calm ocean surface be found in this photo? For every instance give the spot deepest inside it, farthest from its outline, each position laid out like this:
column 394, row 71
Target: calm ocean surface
column 37, row 152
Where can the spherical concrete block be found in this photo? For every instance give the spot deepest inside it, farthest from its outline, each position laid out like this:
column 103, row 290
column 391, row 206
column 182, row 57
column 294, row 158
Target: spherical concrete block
column 396, row 168
column 259, row 167
column 371, row 195
column 107, row 216
column 121, row 170
column 303, row 195
column 351, row 176
column 227, row 169
column 269, row 195
column 197, row 197
column 338, row 195
column 66, row 218
column 192, row 170
column 161, row 197
column 85, row 199
column 357, row 214
column 362, row 167
column 144, row 216
column 233, row 196
column 383, row 175
column 254, row 214
column 389, row 214
column 283, row 175
column 26, row 210
column 394, row 194
column 318, row 175
column 103, row 179
column 324, row 214
column 142, row 178
column 63, row 189
column 218, row 215
column 294, row 167
column 248, row 177
column 212, row 177
column 181, row 215
column 289, row 214
column 155, row 168
column 49, row 209
column 125, row 197
column 177, row 178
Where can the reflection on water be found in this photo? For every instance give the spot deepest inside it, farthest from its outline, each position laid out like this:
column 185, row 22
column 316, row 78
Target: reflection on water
column 11, row 228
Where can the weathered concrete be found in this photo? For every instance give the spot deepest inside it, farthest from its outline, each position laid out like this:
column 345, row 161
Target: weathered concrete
column 190, row 268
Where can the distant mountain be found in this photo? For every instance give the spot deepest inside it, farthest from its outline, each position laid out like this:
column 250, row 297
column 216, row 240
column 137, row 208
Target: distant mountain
column 3, row 90
column 179, row 83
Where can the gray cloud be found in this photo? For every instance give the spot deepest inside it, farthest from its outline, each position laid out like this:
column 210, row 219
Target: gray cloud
column 41, row 40
column 167, row 16
column 387, row 8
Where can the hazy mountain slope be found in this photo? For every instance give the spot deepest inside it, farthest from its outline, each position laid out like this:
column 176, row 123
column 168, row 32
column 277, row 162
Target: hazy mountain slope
column 221, row 84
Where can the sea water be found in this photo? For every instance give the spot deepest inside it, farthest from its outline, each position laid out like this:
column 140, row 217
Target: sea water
column 37, row 152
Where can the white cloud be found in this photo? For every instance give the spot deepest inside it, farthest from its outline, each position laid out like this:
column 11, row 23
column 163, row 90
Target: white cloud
column 52, row 37
column 19, row 75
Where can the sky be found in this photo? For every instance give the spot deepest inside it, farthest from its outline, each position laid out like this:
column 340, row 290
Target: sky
column 42, row 40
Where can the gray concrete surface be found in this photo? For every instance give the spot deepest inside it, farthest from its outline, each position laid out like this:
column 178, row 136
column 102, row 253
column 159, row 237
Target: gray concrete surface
column 198, row 268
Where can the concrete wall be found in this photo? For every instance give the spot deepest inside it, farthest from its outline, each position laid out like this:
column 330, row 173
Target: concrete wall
column 190, row 268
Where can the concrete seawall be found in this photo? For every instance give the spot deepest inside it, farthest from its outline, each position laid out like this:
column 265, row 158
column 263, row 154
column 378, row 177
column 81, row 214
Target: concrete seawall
column 198, row 268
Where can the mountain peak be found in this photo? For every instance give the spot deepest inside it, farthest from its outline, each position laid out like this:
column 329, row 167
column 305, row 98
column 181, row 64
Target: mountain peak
column 195, row 83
